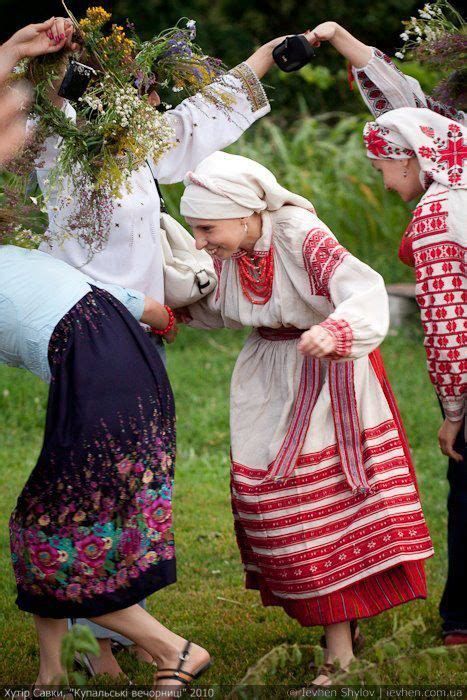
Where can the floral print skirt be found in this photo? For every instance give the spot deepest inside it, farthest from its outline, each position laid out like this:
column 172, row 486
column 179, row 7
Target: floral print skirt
column 92, row 529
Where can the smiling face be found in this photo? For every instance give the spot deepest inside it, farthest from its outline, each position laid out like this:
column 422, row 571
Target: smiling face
column 224, row 237
column 401, row 176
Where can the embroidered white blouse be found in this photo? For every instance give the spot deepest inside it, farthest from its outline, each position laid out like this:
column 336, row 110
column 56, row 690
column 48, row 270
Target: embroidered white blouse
column 133, row 256
column 315, row 279
column 305, row 432
column 384, row 87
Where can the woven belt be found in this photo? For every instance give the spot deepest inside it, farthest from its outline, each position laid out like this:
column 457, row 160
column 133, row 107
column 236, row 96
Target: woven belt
column 281, row 333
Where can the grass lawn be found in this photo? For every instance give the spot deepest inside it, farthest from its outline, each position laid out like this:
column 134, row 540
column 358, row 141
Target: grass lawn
column 209, row 603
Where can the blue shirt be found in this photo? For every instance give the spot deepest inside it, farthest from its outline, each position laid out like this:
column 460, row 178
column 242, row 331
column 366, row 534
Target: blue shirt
column 36, row 291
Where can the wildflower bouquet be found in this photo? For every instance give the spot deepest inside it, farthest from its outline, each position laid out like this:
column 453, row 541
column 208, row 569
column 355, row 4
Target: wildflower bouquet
column 438, row 36
column 117, row 127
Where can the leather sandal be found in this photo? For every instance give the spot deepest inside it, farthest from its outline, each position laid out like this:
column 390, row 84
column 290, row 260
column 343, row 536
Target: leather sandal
column 178, row 674
column 327, row 670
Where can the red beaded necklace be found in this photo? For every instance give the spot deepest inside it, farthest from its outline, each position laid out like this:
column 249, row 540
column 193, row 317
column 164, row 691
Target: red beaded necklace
column 256, row 272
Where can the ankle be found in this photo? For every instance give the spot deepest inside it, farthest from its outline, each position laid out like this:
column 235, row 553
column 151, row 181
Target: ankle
column 342, row 659
column 50, row 677
column 167, row 653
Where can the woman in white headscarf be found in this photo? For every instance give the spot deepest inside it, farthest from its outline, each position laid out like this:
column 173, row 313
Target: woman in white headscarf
column 326, row 509
column 422, row 153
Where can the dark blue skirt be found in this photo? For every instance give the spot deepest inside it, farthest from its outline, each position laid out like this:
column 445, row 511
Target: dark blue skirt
column 92, row 529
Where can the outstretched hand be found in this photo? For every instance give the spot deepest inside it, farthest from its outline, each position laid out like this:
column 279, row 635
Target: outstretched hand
column 38, row 39
column 347, row 45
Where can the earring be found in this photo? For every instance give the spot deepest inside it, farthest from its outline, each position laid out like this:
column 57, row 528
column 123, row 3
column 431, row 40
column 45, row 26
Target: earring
column 245, row 229
column 405, row 172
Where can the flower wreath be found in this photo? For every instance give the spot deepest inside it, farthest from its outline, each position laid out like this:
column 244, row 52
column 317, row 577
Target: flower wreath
column 116, row 127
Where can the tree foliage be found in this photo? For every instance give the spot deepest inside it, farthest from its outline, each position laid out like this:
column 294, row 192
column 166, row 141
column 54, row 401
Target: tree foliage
column 232, row 29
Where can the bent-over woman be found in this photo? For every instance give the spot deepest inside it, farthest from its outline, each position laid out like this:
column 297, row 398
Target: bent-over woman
column 326, row 509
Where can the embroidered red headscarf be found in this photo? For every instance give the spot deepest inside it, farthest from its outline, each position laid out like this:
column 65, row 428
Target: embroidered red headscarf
column 438, row 143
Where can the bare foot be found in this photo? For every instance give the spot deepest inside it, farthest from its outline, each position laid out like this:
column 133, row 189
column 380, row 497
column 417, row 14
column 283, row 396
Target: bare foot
column 193, row 661
column 106, row 661
column 140, row 653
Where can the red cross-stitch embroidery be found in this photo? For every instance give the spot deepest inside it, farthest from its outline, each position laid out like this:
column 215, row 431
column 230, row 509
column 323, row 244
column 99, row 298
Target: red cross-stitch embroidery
column 322, row 254
column 439, row 265
column 446, row 154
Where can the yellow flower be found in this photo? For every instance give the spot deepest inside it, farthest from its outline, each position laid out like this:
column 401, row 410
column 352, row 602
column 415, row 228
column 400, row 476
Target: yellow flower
column 97, row 15
column 44, row 520
column 62, row 555
column 147, row 476
column 95, row 18
column 107, row 542
column 85, row 24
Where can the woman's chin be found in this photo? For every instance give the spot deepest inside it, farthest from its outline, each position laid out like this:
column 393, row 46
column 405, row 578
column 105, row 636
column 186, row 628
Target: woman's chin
column 405, row 196
column 224, row 254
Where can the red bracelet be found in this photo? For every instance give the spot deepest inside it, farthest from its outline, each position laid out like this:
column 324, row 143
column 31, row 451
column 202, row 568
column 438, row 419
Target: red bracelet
column 170, row 324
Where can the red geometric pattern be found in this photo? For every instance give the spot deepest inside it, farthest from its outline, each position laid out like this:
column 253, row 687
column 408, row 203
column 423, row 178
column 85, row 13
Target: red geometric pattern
column 445, row 110
column 441, row 296
column 343, row 334
column 375, row 98
column 446, row 154
column 321, row 537
column 378, row 102
column 365, row 598
column 322, row 255
column 377, row 141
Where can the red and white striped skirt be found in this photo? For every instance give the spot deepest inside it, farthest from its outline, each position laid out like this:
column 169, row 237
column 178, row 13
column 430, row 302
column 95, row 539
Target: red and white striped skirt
column 310, row 540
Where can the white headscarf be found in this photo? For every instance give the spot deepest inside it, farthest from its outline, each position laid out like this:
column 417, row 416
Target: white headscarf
column 438, row 143
column 224, row 186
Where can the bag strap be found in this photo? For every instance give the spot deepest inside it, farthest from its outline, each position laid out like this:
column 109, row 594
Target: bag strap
column 158, row 187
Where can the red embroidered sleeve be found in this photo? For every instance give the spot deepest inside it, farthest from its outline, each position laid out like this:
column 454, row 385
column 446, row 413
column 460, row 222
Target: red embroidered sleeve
column 322, row 254
column 342, row 332
column 378, row 98
column 441, row 296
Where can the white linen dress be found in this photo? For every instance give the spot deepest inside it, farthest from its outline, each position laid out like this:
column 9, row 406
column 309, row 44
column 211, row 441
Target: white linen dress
column 326, row 508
